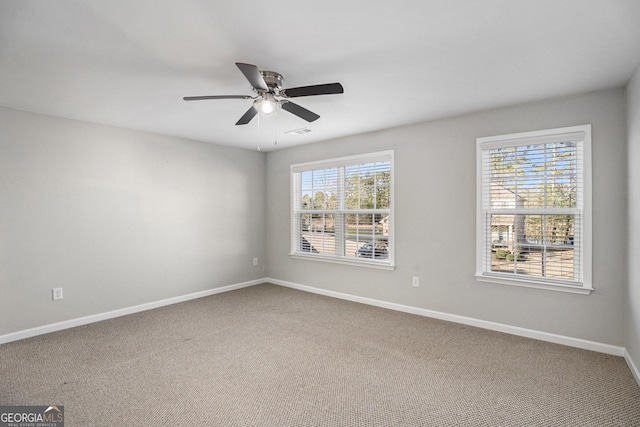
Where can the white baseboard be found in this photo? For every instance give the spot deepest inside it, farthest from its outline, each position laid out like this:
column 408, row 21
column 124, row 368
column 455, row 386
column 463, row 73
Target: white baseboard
column 499, row 327
column 632, row 366
column 28, row 333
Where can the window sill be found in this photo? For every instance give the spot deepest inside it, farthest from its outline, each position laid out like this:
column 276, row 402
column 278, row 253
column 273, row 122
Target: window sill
column 582, row 290
column 345, row 261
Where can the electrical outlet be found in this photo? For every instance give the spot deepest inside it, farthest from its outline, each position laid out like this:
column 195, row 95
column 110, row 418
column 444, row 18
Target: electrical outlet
column 56, row 293
column 255, row 261
column 415, row 282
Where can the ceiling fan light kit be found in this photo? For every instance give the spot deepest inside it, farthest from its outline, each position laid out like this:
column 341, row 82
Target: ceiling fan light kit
column 270, row 94
column 266, row 105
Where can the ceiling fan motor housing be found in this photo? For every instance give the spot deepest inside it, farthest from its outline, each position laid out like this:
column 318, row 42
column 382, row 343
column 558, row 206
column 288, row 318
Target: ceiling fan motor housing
column 273, row 80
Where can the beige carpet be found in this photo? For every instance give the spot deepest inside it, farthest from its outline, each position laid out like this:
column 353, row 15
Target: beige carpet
column 272, row 356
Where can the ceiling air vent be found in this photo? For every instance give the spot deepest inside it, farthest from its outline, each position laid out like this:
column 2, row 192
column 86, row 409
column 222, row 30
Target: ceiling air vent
column 298, row 131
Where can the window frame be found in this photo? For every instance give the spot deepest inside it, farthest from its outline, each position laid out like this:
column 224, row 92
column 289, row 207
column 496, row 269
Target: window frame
column 341, row 163
column 583, row 283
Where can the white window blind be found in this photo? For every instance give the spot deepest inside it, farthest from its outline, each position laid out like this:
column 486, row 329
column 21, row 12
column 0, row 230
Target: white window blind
column 534, row 208
column 342, row 209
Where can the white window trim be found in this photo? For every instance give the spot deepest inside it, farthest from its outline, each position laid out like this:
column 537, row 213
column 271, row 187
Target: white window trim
column 524, row 138
column 389, row 263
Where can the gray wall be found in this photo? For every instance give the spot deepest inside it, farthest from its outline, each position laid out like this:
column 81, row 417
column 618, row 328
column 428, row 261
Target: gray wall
column 118, row 218
column 632, row 330
column 435, row 182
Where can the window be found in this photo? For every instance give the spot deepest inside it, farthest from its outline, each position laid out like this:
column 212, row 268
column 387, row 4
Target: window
column 534, row 210
column 342, row 210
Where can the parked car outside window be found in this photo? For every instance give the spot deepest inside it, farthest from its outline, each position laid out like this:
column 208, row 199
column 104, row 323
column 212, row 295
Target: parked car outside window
column 378, row 250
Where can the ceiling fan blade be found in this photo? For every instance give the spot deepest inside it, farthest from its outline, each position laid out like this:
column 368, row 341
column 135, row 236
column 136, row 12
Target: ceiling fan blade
column 200, row 98
column 252, row 73
column 299, row 111
column 324, row 89
column 246, row 118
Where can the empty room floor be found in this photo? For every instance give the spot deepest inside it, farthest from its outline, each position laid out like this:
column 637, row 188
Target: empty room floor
column 269, row 355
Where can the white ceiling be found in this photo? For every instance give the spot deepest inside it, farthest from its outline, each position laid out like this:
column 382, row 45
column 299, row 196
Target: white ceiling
column 128, row 63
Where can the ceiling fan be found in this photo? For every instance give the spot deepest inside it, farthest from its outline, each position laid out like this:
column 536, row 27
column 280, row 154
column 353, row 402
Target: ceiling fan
column 270, row 94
